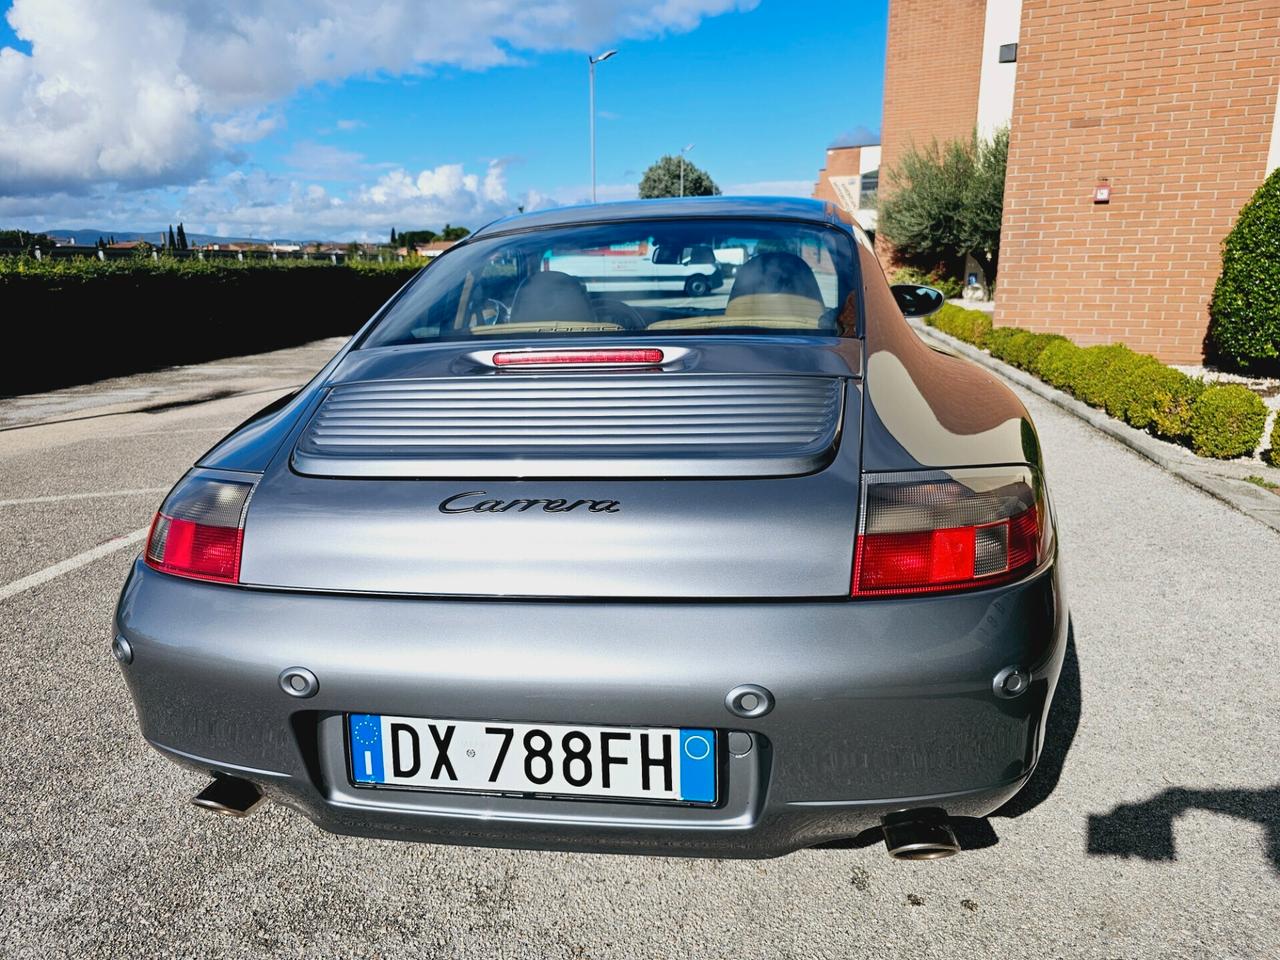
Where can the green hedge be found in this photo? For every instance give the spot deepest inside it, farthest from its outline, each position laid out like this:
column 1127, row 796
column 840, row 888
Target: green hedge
column 971, row 326
column 1244, row 314
column 85, row 319
column 1273, row 455
column 1217, row 420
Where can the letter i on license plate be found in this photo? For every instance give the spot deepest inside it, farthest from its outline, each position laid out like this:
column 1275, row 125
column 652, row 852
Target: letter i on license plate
column 663, row 763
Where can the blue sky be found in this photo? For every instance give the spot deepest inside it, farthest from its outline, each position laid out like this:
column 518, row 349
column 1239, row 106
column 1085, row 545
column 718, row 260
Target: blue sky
column 280, row 119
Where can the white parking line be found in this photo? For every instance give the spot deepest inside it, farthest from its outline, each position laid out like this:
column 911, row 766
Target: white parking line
column 136, row 491
column 72, row 563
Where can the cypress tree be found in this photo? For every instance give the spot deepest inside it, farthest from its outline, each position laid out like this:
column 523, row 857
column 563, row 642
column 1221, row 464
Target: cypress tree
column 393, row 236
column 173, row 243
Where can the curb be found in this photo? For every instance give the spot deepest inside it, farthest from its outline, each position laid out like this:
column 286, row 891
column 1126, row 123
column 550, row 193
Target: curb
column 1250, row 500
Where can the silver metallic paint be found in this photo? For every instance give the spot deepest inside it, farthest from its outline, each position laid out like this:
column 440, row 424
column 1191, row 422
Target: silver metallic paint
column 880, row 705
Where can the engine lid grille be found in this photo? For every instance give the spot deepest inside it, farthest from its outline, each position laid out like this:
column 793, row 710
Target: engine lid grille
column 644, row 425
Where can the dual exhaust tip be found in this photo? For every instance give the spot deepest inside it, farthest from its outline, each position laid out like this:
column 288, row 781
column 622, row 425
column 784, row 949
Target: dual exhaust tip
column 923, row 834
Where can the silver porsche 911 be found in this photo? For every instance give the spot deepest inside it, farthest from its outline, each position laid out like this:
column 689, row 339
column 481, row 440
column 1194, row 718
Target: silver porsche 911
column 647, row 527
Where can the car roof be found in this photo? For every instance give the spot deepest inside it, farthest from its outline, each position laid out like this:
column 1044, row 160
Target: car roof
column 778, row 208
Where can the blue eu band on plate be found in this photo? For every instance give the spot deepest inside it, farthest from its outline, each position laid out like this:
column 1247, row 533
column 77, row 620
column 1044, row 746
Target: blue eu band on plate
column 623, row 763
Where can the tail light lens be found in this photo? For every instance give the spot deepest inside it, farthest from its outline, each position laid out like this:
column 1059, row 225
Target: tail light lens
column 199, row 530
column 938, row 531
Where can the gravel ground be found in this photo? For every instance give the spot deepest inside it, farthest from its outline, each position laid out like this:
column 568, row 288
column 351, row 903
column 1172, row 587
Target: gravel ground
column 1152, row 830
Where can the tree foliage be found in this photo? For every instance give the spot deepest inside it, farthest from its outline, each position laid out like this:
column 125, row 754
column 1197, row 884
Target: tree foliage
column 22, row 240
column 663, row 180
column 1244, row 315
column 411, row 238
column 946, row 203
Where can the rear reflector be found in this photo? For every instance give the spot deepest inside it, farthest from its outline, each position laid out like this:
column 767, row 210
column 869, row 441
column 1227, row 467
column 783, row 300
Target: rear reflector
column 539, row 358
column 954, row 530
column 199, row 531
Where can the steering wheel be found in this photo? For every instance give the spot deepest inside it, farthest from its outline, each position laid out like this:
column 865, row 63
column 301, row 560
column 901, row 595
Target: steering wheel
column 476, row 312
column 608, row 310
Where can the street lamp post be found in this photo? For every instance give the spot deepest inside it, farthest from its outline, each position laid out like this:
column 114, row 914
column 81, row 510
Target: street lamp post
column 686, row 149
column 591, row 84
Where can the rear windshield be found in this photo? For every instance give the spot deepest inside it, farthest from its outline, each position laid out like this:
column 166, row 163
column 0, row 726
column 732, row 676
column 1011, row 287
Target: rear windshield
column 765, row 277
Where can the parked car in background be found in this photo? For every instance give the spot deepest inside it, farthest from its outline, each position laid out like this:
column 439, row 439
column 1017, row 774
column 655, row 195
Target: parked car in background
column 549, row 557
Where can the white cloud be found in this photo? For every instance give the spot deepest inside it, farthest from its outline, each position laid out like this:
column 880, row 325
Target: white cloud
column 261, row 204
column 151, row 92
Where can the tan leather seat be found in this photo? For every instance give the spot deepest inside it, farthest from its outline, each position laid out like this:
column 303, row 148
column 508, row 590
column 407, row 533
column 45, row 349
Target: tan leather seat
column 778, row 285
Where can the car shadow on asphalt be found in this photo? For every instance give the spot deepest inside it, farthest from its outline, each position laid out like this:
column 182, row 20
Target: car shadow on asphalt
column 1145, row 829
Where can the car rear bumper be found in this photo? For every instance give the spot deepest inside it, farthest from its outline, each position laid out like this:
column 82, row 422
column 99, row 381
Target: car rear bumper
column 880, row 705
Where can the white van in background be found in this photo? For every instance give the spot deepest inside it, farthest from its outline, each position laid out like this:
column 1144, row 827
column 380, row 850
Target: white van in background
column 695, row 270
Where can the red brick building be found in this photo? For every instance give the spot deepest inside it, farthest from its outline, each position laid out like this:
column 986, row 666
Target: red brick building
column 850, row 180
column 1165, row 109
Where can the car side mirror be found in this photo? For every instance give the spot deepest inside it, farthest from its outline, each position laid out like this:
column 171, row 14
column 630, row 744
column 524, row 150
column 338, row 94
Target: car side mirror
column 917, row 301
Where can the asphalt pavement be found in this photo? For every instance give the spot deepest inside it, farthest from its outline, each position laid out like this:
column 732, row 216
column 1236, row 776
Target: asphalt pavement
column 1151, row 830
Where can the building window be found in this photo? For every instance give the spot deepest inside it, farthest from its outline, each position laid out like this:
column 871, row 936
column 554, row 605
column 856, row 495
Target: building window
column 870, row 185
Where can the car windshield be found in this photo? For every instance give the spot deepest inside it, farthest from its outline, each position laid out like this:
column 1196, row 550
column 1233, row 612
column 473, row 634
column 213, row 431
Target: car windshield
column 754, row 277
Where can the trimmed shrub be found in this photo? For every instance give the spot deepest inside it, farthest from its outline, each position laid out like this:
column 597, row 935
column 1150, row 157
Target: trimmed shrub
column 1244, row 314
column 1021, row 348
column 1130, row 397
column 1058, row 363
column 971, row 326
column 948, row 287
column 1164, row 407
column 1273, row 455
column 1227, row 421
column 998, row 340
column 1098, row 367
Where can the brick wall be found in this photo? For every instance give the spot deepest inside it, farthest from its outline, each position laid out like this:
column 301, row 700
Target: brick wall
column 933, row 62
column 1172, row 101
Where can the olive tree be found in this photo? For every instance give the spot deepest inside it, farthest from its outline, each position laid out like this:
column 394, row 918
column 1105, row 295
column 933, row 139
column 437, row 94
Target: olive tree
column 946, row 203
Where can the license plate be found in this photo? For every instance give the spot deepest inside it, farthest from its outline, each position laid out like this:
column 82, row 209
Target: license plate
column 662, row 763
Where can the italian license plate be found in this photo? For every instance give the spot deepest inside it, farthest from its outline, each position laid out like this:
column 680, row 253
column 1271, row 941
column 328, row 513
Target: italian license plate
column 662, row 763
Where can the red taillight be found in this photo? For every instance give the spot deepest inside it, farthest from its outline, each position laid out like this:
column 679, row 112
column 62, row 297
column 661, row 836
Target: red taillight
column 199, row 531
column 538, row 358
column 928, row 533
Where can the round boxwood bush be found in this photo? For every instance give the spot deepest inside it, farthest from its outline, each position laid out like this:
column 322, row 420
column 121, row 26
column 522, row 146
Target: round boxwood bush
column 1018, row 347
column 1058, row 363
column 1024, row 350
column 1162, row 401
column 1099, row 366
column 1273, row 455
column 998, row 341
column 1244, row 314
column 1227, row 421
column 1129, row 396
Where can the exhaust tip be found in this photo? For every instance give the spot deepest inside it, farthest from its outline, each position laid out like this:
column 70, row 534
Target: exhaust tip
column 229, row 796
column 923, row 834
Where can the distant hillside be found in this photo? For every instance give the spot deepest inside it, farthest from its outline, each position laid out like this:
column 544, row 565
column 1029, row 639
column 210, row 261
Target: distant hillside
column 90, row 237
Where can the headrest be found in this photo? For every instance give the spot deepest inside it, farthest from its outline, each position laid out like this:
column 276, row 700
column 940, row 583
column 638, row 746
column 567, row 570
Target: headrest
column 775, row 273
column 551, row 296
